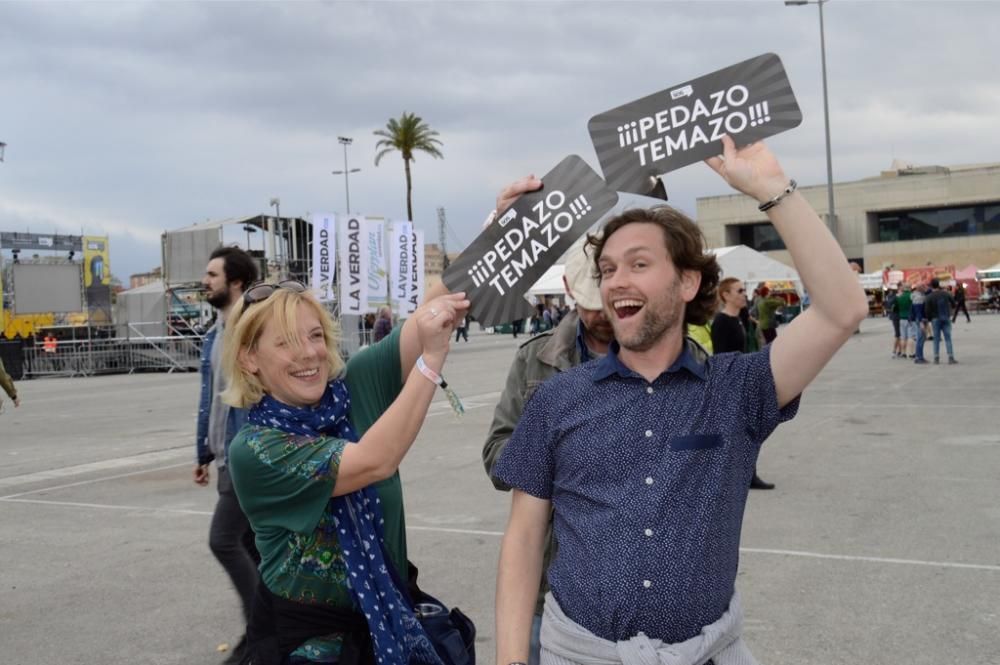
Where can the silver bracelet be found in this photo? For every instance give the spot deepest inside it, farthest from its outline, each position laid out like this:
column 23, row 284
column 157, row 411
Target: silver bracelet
column 767, row 205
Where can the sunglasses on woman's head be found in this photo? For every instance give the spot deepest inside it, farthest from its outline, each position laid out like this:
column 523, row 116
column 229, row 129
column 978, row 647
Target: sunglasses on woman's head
column 262, row 291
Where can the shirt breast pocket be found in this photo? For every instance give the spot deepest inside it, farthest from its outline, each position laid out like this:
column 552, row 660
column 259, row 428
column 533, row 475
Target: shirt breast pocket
column 530, row 389
column 695, row 442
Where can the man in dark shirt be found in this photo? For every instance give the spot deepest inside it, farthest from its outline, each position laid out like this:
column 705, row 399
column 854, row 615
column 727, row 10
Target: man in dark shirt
column 937, row 308
column 960, row 304
column 728, row 334
column 644, row 457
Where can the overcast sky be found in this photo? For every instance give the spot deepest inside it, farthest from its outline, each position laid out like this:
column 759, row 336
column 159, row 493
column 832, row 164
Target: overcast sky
column 130, row 119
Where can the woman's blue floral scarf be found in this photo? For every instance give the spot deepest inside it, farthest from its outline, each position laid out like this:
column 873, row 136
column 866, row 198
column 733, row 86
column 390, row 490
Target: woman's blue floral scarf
column 397, row 636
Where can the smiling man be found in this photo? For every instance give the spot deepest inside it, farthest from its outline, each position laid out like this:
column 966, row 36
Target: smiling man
column 645, row 456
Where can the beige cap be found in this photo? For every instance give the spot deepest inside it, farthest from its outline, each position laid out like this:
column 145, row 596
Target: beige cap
column 580, row 275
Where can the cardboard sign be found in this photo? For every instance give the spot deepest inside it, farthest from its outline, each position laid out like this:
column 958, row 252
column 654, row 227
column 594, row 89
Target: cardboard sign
column 505, row 260
column 684, row 124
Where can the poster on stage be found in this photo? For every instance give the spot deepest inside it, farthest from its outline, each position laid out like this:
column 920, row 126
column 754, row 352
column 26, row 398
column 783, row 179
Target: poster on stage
column 400, row 248
column 352, row 246
column 510, row 255
column 378, row 274
column 324, row 255
column 416, row 290
column 97, row 278
column 684, row 124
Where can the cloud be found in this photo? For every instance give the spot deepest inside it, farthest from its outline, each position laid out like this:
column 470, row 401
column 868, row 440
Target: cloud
column 140, row 117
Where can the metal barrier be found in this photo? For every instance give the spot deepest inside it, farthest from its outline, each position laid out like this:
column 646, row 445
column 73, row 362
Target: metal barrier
column 116, row 355
column 137, row 352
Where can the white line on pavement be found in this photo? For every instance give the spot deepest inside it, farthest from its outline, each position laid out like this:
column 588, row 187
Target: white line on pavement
column 438, row 408
column 104, row 506
column 471, row 403
column 871, row 559
column 93, row 467
column 94, row 480
column 497, row 534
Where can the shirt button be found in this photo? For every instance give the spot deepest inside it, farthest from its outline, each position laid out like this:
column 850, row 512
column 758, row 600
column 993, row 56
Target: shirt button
column 649, row 389
column 646, row 584
column 648, row 532
column 649, row 480
column 649, row 433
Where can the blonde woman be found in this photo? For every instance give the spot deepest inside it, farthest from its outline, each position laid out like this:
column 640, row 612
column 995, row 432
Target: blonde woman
column 315, row 470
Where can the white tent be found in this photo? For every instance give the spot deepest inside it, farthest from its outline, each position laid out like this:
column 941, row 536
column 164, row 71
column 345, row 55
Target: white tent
column 550, row 283
column 871, row 281
column 738, row 261
column 752, row 267
column 991, row 274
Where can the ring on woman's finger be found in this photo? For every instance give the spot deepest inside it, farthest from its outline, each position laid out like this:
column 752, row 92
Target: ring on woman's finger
column 434, row 312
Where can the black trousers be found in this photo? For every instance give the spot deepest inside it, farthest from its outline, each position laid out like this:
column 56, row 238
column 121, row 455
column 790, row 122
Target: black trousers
column 231, row 541
column 960, row 307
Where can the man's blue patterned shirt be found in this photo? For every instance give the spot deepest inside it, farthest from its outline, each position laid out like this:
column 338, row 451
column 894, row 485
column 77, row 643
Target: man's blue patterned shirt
column 648, row 481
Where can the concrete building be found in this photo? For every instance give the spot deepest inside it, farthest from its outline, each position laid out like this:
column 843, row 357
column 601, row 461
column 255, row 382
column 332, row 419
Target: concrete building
column 144, row 278
column 908, row 216
column 434, row 263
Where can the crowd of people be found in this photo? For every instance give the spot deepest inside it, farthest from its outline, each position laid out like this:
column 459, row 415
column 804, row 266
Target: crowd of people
column 628, row 448
column 921, row 312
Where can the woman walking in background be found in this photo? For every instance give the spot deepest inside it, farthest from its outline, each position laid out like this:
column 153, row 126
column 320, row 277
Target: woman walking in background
column 729, row 336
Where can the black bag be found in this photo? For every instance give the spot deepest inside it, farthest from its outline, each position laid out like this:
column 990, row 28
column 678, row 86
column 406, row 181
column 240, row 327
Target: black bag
column 451, row 632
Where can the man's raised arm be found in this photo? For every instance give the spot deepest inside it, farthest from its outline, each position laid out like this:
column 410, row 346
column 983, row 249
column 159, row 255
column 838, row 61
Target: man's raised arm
column 838, row 303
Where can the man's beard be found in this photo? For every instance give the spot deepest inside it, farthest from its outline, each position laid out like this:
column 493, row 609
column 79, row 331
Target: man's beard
column 219, row 299
column 659, row 317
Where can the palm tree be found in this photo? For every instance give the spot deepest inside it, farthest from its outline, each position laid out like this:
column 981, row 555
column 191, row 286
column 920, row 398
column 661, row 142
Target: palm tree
column 407, row 135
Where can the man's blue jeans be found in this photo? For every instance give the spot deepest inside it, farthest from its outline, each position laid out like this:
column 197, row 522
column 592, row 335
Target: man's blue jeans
column 942, row 327
column 920, row 340
column 536, row 640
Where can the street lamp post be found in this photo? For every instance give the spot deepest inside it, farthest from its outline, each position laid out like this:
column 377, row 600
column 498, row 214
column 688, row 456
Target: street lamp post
column 273, row 229
column 278, row 227
column 826, row 104
column 344, row 141
column 249, row 229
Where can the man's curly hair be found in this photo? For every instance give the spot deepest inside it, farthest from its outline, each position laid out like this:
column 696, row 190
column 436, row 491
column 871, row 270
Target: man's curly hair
column 685, row 244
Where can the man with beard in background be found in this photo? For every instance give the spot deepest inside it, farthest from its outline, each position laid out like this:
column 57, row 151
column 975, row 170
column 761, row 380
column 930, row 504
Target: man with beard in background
column 229, row 273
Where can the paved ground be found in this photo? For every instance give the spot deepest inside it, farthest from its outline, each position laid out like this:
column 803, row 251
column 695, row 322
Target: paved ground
column 880, row 544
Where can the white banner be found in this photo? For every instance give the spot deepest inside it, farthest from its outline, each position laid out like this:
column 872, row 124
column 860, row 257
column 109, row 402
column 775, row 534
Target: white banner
column 378, row 273
column 324, row 255
column 400, row 240
column 416, row 296
column 353, row 255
